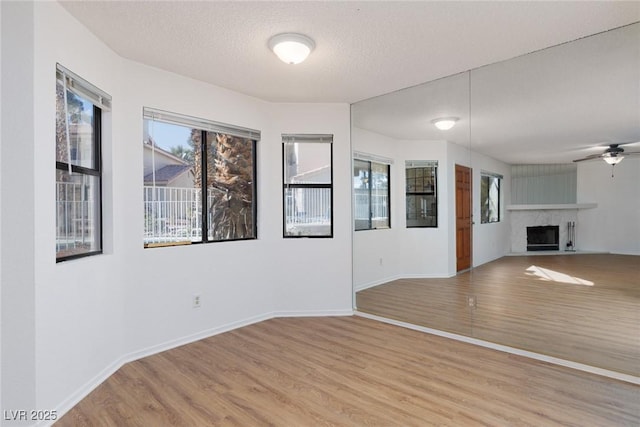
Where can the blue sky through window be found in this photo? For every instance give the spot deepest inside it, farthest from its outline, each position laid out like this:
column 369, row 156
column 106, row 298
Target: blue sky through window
column 167, row 135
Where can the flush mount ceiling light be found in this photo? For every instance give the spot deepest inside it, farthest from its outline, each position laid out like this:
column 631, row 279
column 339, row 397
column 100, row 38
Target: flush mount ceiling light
column 291, row 48
column 445, row 123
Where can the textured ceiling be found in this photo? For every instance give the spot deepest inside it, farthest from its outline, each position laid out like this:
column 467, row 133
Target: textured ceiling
column 363, row 49
column 367, row 49
column 554, row 105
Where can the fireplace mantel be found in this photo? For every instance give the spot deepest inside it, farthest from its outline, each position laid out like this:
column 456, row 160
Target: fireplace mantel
column 551, row 207
column 524, row 216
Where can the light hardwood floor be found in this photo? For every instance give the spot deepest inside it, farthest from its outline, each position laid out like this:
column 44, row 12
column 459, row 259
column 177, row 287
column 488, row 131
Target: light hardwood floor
column 523, row 302
column 349, row 371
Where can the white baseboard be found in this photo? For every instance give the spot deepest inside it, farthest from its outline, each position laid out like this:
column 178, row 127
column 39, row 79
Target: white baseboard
column 103, row 375
column 91, row 385
column 314, row 313
column 627, row 253
column 363, row 286
column 428, row 276
column 84, row 391
column 557, row 253
column 168, row 345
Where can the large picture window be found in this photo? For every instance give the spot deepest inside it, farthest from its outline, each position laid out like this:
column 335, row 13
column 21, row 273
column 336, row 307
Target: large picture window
column 421, row 193
column 199, row 180
column 308, row 185
column 79, row 107
column 371, row 195
column 489, row 197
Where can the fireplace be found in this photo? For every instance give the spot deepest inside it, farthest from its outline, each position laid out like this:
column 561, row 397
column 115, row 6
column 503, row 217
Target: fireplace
column 543, row 238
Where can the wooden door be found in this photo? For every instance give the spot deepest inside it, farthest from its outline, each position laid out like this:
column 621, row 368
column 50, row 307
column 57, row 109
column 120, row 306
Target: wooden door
column 463, row 218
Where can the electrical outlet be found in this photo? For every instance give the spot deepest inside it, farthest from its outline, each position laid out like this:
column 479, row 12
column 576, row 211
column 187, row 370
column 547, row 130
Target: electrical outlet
column 380, row 261
column 471, row 301
column 196, row 301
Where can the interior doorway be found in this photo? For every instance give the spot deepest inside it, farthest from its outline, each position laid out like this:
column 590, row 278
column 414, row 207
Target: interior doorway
column 463, row 218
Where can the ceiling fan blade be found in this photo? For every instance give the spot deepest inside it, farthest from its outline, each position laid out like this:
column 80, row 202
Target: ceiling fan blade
column 612, row 151
column 591, row 157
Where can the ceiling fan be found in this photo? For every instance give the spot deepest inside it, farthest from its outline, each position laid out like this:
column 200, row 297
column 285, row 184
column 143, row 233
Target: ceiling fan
column 612, row 155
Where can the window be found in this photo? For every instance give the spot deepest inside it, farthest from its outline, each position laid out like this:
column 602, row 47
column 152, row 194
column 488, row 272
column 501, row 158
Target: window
column 421, row 193
column 199, row 180
column 79, row 107
column 371, row 195
column 308, row 185
column 490, row 197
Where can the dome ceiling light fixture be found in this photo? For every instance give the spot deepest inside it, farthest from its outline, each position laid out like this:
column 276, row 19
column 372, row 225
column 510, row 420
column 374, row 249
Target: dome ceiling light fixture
column 445, row 123
column 291, row 48
column 613, row 158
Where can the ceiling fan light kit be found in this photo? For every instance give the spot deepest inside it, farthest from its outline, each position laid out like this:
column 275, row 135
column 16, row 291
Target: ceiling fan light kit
column 613, row 159
column 612, row 155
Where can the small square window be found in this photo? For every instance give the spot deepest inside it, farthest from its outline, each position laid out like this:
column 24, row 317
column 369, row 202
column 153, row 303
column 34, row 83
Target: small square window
column 371, row 195
column 79, row 107
column 421, row 193
column 308, row 185
column 489, row 199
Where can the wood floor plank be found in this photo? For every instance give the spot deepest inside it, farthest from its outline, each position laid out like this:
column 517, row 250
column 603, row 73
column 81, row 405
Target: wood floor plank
column 349, row 371
column 596, row 325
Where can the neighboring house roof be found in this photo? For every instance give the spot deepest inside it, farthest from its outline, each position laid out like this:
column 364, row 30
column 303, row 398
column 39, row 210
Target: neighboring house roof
column 323, row 172
column 166, row 174
column 162, row 152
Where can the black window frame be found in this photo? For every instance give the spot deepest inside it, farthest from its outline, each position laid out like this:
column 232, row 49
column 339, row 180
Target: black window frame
column 432, row 165
column 81, row 88
column 485, row 217
column 370, row 194
column 305, row 139
column 206, row 127
column 254, row 192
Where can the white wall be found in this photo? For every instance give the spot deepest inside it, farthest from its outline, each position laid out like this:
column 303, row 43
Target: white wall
column 67, row 326
column 161, row 282
column 74, row 323
column 1, row 97
column 613, row 226
column 383, row 255
column 372, row 246
column 493, row 240
column 426, row 252
column 311, row 275
column 79, row 315
column 423, row 252
column 16, row 196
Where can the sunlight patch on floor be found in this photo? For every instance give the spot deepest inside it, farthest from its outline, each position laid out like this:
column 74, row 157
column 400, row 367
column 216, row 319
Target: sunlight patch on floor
column 556, row 276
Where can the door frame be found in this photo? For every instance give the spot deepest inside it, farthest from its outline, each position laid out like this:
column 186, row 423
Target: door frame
column 463, row 217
